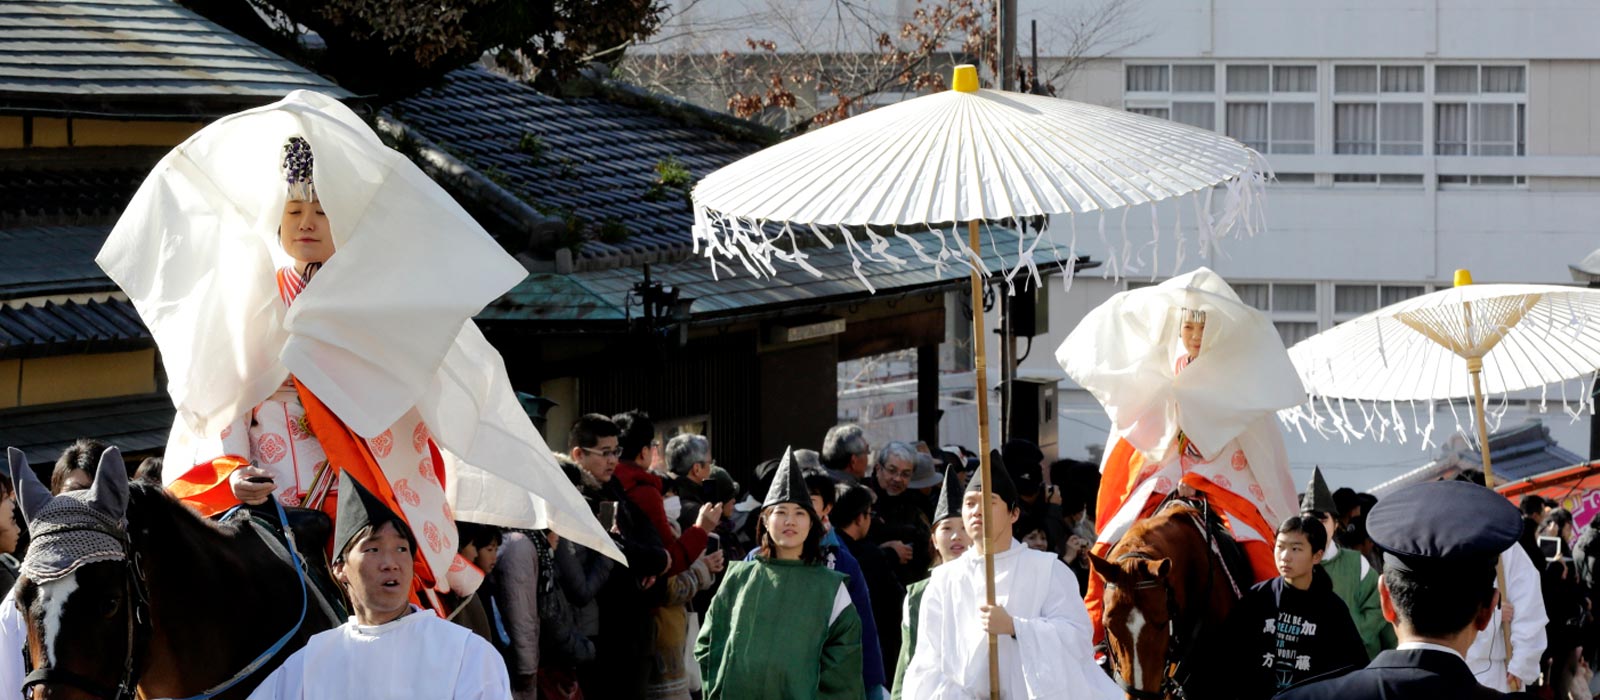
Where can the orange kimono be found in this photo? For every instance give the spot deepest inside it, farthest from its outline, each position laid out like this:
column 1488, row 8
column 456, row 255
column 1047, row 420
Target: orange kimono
column 299, row 439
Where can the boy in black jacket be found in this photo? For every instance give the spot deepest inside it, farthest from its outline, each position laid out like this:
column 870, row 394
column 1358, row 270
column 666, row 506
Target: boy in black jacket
column 1291, row 628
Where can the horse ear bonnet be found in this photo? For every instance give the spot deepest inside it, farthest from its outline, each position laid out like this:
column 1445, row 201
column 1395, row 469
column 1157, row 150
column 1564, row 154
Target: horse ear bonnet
column 109, row 492
column 31, row 495
column 76, row 528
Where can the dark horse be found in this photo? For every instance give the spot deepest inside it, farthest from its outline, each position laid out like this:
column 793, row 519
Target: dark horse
column 172, row 604
column 1167, row 592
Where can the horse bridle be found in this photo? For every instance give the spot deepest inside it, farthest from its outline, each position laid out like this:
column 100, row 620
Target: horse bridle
column 1172, row 677
column 138, row 630
column 139, row 625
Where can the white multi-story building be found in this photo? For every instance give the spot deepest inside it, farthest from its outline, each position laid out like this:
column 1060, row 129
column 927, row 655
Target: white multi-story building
column 1410, row 138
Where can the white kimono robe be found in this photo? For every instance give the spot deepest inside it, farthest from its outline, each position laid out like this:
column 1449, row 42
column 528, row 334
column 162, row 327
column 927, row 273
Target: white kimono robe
column 1050, row 657
column 1487, row 656
column 416, row 656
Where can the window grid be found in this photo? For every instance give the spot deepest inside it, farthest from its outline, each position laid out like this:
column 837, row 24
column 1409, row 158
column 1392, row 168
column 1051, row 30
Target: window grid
column 1375, row 109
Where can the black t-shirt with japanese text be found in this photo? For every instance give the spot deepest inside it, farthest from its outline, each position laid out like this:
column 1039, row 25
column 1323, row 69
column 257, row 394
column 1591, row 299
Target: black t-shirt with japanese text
column 1282, row 635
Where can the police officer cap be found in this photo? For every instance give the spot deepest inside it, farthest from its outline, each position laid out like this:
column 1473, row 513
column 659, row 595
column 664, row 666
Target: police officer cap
column 1444, row 528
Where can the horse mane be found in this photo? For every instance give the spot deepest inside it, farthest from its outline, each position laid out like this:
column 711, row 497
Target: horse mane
column 1152, row 536
column 152, row 508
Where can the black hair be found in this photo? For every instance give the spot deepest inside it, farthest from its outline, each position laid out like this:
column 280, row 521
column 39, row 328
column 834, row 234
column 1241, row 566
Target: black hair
column 810, row 552
column 374, row 526
column 1532, row 506
column 820, row 485
column 1344, row 499
column 1354, row 534
column 854, row 501
column 1560, row 517
column 83, row 454
column 1316, row 534
column 589, row 428
column 1438, row 604
column 149, row 471
column 477, row 534
column 1027, row 523
column 637, row 431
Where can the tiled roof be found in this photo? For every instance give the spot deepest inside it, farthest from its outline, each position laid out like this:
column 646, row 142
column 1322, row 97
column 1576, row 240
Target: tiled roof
column 136, row 49
column 135, row 424
column 72, row 195
column 1515, row 453
column 592, row 157
column 34, row 330
column 47, row 260
column 1526, row 450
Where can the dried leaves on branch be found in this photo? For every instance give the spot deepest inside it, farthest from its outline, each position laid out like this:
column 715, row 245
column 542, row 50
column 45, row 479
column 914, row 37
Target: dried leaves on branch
column 812, row 71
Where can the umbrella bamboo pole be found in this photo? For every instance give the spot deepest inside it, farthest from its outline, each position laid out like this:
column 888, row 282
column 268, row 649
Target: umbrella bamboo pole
column 981, row 367
column 1475, row 368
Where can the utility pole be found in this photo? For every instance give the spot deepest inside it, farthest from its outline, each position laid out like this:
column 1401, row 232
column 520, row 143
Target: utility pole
column 1007, row 26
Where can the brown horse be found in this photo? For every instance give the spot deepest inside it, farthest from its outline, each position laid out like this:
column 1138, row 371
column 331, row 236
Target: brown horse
column 1166, row 589
column 126, row 589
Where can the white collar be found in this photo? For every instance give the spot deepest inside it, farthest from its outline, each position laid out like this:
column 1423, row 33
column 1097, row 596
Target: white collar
column 1430, row 646
column 1330, row 551
column 378, row 630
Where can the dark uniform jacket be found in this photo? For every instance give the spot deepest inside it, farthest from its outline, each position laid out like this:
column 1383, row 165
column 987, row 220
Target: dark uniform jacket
column 1412, row 674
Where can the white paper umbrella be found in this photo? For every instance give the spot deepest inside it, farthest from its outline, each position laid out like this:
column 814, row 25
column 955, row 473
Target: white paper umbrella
column 1423, row 349
column 968, row 155
column 1454, row 343
column 965, row 156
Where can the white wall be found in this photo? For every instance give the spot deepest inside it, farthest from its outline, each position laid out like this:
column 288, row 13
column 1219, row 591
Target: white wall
column 1444, row 29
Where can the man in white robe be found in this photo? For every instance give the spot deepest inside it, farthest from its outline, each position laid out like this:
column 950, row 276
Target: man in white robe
column 1040, row 618
column 389, row 648
column 1525, row 600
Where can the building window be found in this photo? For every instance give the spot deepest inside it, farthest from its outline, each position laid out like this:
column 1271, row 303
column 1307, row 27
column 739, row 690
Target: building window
column 1189, row 97
column 1283, row 117
column 1451, row 182
column 1377, row 110
column 1291, row 306
column 1480, row 111
column 1147, row 79
column 1353, row 300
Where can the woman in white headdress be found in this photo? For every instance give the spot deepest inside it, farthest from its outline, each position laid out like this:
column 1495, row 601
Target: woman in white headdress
column 311, row 291
column 1190, row 377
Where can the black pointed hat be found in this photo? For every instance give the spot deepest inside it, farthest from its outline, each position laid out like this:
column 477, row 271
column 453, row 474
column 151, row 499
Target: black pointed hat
column 788, row 484
column 359, row 508
column 1317, row 497
column 1002, row 486
column 949, row 505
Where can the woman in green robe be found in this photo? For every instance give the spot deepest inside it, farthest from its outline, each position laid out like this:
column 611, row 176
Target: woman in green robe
column 782, row 626
column 949, row 540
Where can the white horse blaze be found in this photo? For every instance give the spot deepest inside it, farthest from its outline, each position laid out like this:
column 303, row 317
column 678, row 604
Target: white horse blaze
column 1135, row 627
column 53, row 597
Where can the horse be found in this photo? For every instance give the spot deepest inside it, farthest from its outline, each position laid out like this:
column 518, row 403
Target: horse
column 1167, row 586
column 126, row 590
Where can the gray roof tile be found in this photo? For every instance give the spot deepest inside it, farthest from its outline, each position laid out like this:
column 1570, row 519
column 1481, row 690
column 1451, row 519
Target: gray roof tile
column 137, row 49
column 135, row 424
column 598, row 161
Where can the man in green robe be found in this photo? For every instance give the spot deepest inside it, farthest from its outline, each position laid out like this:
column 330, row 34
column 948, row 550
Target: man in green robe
column 782, row 625
column 1354, row 580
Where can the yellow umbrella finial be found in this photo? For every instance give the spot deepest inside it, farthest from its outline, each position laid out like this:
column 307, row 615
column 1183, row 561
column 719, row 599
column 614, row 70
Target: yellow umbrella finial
column 1463, row 278
column 965, row 79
